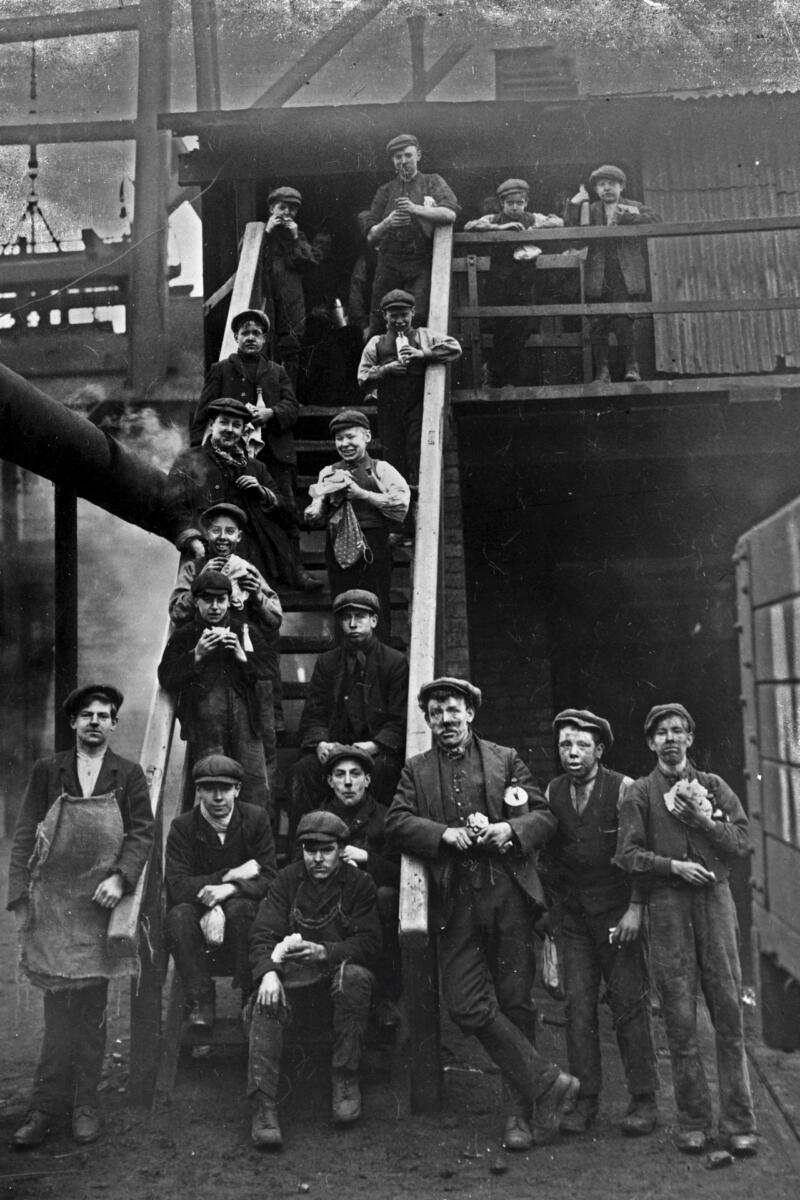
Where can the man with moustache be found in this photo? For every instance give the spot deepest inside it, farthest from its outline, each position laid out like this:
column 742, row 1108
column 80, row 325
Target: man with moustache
column 681, row 830
column 450, row 810
column 317, row 934
column 400, row 227
column 357, row 697
column 82, row 838
column 601, row 935
column 218, row 865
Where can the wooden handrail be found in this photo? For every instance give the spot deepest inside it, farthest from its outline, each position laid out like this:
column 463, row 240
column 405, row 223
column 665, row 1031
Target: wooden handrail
column 244, row 281
column 425, row 583
column 659, row 229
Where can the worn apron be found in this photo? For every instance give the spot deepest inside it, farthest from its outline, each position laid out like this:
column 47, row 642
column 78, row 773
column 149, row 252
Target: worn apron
column 64, row 937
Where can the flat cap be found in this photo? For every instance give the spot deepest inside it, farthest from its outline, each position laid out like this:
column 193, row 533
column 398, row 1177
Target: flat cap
column 322, row 827
column 397, row 298
column 584, row 719
column 250, row 314
column 357, row 598
column 346, row 418
column 449, row 683
column 224, row 506
column 509, row 186
column 341, row 752
column 289, row 195
column 75, row 700
column 664, row 710
column 400, row 141
column 608, row 171
column 211, row 581
column 228, row 406
column 217, row 768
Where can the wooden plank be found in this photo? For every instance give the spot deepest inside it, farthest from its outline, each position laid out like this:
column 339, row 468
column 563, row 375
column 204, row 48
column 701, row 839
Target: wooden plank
column 776, row 641
column 220, row 294
column 45, row 133
column 686, row 388
column 752, row 766
column 242, row 291
column 783, row 872
column 87, row 22
column 428, row 80
column 780, row 812
column 631, row 308
column 775, row 553
column 779, row 721
column 593, row 233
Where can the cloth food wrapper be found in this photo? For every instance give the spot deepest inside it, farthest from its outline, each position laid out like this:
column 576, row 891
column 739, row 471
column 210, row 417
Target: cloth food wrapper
column 288, row 943
column 212, row 925
column 689, row 789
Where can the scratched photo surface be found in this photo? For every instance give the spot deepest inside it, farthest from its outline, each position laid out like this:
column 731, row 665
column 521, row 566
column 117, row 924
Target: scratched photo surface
column 592, row 550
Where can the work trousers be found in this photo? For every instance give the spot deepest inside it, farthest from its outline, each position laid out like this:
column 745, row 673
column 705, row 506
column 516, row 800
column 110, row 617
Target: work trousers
column 350, row 988
column 221, row 725
column 73, row 1045
column 590, row 960
column 614, row 292
column 486, row 956
column 193, row 955
column 411, row 274
column 388, row 969
column 694, row 938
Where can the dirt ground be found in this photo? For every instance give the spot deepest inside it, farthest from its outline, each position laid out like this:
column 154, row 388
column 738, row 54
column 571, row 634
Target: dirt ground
column 197, row 1146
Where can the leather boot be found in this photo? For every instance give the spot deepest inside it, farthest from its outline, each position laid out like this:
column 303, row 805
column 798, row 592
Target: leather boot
column 601, row 371
column 515, row 1056
column 346, row 1101
column 632, row 374
column 265, row 1130
column 34, row 1130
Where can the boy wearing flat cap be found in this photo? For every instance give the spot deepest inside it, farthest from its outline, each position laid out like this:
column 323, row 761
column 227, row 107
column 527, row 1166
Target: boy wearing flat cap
column 393, row 367
column 457, row 807
column 317, row 933
column 511, row 279
column 400, row 226
column 218, row 865
column 216, row 663
column 357, row 499
column 288, row 256
column 82, row 838
column 681, row 830
column 601, row 937
column 265, row 388
column 616, row 272
column 357, row 696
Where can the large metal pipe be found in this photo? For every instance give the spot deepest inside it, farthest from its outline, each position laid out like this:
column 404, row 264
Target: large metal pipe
column 43, row 436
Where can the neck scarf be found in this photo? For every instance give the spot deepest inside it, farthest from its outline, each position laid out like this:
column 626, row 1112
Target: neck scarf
column 220, row 827
column 236, row 459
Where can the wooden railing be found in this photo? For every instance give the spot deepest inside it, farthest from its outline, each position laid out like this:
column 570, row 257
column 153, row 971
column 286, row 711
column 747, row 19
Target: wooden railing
column 420, row 977
column 136, row 927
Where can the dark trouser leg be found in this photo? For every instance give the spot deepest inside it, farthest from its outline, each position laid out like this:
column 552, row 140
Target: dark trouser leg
column 239, row 914
column 264, row 1059
column 351, row 991
column 582, row 986
column 387, row 276
column 385, row 774
column 471, row 1000
column 189, row 950
column 508, row 917
column 411, row 274
column 268, row 738
column 626, row 974
column 717, row 938
column 389, row 968
column 88, row 1013
column 674, row 963
column 307, row 789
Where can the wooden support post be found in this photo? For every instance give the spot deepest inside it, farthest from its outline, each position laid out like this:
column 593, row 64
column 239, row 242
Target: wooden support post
column 416, row 35
column 424, row 83
column 206, row 56
column 65, row 641
column 148, row 306
column 147, row 984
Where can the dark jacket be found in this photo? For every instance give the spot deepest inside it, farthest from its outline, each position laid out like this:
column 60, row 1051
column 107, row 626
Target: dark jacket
column 195, row 856
column 178, row 672
column 386, row 693
column 228, row 378
column 351, row 893
column 52, row 776
column 416, row 821
column 580, row 855
column 650, row 836
column 630, row 253
column 286, row 260
column 366, row 824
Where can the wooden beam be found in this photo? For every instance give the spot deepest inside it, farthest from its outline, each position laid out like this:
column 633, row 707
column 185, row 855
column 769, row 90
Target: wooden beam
column 243, row 282
column 631, row 308
column 593, row 233
column 46, row 132
column 719, row 388
column 65, row 633
column 69, row 24
column 416, row 36
column 425, row 84
column 206, row 54
column 323, row 50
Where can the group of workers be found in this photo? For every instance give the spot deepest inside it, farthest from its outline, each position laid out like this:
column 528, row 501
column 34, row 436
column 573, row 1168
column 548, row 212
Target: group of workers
column 600, row 863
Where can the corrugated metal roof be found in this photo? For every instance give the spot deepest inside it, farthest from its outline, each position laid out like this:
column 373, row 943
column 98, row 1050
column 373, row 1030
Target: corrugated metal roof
column 708, row 171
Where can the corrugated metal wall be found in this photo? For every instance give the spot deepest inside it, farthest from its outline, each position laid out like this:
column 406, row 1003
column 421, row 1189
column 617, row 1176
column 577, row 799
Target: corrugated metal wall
column 726, row 158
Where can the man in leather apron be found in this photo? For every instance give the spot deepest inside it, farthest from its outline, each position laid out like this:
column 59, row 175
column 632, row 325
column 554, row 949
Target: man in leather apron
column 82, row 838
column 318, row 933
